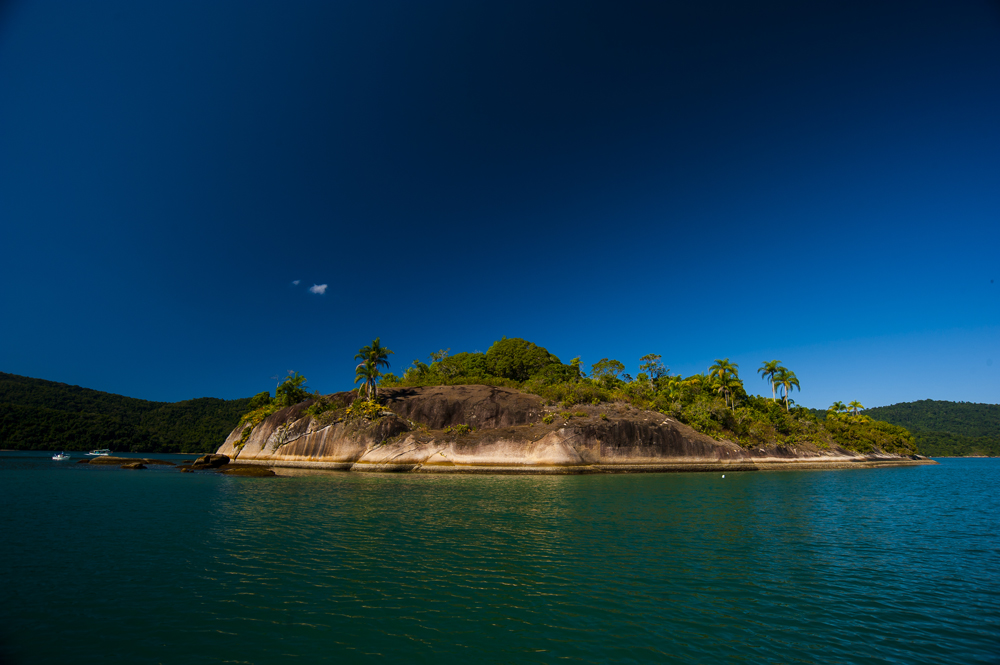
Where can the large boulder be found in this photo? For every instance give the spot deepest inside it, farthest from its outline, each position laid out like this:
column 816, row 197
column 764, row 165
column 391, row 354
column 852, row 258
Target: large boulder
column 212, row 461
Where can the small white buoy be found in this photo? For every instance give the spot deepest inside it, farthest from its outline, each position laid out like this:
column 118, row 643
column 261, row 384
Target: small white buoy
column 723, row 475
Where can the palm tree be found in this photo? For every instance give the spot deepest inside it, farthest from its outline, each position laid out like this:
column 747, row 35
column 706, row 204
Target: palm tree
column 855, row 405
column 375, row 352
column 726, row 371
column 726, row 384
column 767, row 371
column 787, row 380
column 724, row 368
column 367, row 372
column 372, row 357
column 837, row 407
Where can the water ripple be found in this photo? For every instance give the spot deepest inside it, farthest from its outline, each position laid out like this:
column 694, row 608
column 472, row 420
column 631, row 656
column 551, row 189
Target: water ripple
column 893, row 565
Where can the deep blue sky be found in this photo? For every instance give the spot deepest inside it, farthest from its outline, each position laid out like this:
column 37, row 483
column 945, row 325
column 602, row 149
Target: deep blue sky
column 815, row 182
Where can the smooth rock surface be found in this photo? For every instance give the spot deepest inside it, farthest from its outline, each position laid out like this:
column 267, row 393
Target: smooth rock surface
column 509, row 436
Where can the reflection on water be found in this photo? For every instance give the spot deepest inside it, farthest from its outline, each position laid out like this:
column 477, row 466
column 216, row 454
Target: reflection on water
column 756, row 567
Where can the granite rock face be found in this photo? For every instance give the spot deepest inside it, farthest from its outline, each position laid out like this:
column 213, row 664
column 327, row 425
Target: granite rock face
column 509, row 436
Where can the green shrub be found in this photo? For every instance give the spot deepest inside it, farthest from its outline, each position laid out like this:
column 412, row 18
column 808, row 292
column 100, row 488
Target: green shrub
column 365, row 410
column 569, row 394
column 548, row 419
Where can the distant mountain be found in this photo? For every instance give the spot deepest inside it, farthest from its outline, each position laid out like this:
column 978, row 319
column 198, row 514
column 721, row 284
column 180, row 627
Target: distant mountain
column 44, row 415
column 947, row 429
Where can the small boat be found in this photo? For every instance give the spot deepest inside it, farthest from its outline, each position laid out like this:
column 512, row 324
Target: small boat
column 100, row 451
column 59, row 457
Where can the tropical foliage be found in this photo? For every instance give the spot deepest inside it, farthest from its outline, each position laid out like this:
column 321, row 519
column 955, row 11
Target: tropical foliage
column 715, row 402
column 374, row 358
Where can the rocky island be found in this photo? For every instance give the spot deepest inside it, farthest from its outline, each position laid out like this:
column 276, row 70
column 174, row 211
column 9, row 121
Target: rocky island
column 491, row 429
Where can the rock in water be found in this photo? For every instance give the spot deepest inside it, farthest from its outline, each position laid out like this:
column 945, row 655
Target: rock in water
column 133, row 465
column 250, row 470
column 214, row 461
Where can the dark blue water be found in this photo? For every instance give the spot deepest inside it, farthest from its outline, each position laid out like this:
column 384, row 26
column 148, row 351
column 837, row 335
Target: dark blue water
column 897, row 565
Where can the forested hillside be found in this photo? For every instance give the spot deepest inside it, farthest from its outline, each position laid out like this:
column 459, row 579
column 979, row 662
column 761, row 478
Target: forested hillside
column 947, row 429
column 44, row 415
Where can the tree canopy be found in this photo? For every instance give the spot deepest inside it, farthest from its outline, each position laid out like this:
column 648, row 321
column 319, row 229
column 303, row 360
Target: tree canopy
column 517, row 359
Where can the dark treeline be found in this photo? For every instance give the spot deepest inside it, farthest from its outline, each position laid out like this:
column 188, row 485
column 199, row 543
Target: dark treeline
column 44, row 415
column 947, row 429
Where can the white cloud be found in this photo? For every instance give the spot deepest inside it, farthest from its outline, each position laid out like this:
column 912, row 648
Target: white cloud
column 296, row 281
column 318, row 288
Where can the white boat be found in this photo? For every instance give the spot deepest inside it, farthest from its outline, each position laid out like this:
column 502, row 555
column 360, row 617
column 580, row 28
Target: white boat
column 60, row 457
column 100, row 451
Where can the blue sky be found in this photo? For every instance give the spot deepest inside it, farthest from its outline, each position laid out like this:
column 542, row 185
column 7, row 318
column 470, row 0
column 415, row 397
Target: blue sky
column 813, row 182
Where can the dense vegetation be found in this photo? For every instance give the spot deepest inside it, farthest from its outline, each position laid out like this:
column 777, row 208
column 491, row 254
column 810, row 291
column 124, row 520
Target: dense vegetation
column 947, row 429
column 715, row 403
column 44, row 415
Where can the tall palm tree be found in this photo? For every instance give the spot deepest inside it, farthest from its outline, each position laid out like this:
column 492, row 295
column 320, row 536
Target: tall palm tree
column 372, row 357
column 787, row 380
column 725, row 387
column 375, row 352
column 854, row 406
column 368, row 373
column 767, row 370
column 725, row 371
column 723, row 368
column 837, row 407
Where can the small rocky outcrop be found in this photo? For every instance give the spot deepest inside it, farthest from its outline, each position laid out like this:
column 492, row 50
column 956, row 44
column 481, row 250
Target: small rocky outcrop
column 133, row 465
column 213, row 461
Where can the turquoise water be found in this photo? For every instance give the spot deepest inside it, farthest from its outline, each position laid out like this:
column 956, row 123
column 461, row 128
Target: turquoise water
column 896, row 565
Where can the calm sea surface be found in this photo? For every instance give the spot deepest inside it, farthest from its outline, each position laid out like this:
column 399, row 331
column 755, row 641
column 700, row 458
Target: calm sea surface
column 103, row 565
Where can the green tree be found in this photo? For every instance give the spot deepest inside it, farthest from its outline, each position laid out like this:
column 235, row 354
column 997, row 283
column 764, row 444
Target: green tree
column 854, row 406
column 372, row 357
column 787, row 380
column 368, row 373
column 725, row 374
column 260, row 399
column 517, row 359
column 440, row 355
column 652, row 364
column 607, row 371
column 378, row 354
column 417, row 370
column 724, row 368
column 726, row 385
column 767, row 371
column 292, row 390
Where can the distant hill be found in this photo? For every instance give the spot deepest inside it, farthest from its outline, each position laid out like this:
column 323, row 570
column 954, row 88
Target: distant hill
column 947, row 429
column 44, row 415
